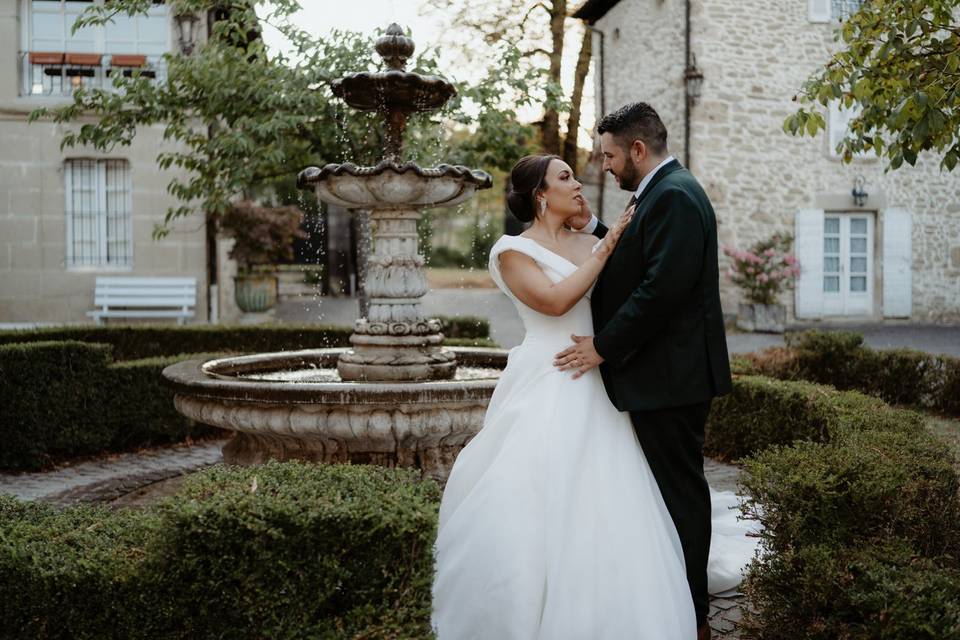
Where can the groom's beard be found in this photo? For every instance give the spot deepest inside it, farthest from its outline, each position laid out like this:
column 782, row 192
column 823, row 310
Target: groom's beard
column 630, row 178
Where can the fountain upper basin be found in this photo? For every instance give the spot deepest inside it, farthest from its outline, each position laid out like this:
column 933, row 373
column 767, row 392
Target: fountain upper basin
column 391, row 185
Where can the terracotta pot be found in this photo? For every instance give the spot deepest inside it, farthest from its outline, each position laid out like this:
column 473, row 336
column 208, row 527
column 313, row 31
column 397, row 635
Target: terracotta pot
column 764, row 318
column 256, row 292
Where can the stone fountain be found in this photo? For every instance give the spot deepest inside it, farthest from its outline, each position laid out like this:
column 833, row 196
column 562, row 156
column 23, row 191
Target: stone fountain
column 397, row 397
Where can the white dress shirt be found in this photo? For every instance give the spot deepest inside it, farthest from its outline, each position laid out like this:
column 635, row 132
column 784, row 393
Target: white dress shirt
column 594, row 221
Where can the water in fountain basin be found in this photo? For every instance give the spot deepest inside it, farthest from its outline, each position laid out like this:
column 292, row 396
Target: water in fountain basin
column 321, row 375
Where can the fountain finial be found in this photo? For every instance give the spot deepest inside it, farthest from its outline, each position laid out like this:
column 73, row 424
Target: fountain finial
column 395, row 47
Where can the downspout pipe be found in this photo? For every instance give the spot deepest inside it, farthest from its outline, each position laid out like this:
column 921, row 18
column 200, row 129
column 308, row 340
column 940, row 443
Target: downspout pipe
column 599, row 70
column 686, row 97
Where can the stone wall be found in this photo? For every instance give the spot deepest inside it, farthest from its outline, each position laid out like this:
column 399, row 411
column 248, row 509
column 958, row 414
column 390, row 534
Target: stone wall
column 755, row 55
column 36, row 285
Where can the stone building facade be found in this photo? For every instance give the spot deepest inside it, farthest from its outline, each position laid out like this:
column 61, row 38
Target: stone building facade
column 68, row 216
column 895, row 257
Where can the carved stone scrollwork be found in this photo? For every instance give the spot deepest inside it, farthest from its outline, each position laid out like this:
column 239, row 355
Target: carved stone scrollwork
column 363, row 326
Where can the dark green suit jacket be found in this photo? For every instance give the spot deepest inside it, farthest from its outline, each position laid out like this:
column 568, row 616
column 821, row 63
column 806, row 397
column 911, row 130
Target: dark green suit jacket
column 656, row 305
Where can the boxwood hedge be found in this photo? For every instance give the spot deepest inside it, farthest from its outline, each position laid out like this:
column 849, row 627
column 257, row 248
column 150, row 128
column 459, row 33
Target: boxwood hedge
column 282, row 550
column 859, row 505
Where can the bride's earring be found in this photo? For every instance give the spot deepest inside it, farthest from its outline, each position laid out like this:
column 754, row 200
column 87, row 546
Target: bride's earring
column 543, row 207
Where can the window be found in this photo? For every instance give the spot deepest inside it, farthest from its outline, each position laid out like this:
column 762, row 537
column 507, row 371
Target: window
column 831, row 10
column 99, row 221
column 843, row 9
column 54, row 61
column 838, row 124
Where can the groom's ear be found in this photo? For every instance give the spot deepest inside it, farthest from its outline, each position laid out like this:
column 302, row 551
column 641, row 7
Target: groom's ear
column 638, row 151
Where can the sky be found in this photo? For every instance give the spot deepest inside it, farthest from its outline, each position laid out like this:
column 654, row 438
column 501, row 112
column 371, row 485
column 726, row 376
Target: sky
column 320, row 16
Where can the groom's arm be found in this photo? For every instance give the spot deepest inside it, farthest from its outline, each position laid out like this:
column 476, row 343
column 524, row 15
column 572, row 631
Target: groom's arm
column 600, row 230
column 673, row 245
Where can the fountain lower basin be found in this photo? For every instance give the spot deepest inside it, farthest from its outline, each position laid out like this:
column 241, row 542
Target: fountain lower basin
column 290, row 405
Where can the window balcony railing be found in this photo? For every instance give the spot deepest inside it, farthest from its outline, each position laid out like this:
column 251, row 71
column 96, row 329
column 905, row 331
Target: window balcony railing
column 59, row 74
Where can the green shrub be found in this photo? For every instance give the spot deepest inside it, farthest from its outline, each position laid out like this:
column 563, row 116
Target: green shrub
column 864, row 486
column 50, row 401
column 464, row 326
column 132, row 342
column 282, row 550
column 64, row 399
column 859, row 507
column 471, row 342
column 762, row 412
column 883, row 591
column 899, row 376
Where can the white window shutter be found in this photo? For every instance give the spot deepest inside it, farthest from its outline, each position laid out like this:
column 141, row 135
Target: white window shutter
column 836, row 125
column 818, row 10
column 897, row 262
column 808, row 231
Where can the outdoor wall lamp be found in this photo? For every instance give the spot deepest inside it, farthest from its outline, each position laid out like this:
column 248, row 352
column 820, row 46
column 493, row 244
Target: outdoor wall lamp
column 186, row 27
column 693, row 79
column 859, row 195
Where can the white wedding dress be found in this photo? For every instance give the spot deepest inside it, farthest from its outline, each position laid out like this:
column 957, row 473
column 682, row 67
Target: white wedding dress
column 551, row 525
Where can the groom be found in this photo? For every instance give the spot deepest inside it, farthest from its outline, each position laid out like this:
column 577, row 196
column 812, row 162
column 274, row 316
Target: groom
column 660, row 342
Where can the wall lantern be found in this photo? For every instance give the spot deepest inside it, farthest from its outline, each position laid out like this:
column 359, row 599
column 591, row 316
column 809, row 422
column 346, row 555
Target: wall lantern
column 186, row 28
column 693, row 79
column 859, row 195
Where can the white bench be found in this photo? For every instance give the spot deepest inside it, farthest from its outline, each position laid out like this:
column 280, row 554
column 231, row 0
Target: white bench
column 135, row 297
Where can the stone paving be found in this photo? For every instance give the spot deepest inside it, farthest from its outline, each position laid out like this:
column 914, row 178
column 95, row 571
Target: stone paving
column 108, row 478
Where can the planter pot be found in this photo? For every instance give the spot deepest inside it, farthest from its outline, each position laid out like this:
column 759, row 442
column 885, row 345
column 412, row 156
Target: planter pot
column 765, row 318
column 255, row 293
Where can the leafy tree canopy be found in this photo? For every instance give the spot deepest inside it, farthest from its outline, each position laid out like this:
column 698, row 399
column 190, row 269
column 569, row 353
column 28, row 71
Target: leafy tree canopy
column 244, row 119
column 900, row 73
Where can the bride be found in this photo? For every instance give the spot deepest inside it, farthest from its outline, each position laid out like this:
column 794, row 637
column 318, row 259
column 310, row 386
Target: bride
column 552, row 525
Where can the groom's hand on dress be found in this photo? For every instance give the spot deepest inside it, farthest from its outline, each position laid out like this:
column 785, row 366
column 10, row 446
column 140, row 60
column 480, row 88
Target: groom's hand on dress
column 582, row 356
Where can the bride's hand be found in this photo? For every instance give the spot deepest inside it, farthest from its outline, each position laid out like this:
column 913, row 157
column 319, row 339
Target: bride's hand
column 613, row 233
column 580, row 220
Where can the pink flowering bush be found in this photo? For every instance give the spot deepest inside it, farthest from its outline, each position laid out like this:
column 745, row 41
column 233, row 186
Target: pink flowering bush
column 764, row 270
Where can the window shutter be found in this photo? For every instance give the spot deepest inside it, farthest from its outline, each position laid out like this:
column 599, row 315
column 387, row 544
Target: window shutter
column 818, row 10
column 897, row 258
column 808, row 229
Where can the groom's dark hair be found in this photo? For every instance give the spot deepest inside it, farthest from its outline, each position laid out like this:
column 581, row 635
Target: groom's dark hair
column 636, row 121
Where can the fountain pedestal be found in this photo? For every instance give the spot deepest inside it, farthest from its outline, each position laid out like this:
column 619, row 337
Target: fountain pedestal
column 395, row 342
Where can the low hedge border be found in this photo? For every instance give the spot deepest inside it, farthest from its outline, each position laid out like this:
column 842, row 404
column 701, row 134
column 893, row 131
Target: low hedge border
column 283, row 550
column 859, row 505
column 64, row 399
column 133, row 342
column 839, row 358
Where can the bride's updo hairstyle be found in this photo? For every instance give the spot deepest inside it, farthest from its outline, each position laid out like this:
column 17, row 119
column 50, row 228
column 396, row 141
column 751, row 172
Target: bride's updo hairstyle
column 526, row 178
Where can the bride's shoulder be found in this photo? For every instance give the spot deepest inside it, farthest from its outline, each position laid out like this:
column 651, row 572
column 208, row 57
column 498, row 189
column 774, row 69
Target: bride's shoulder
column 507, row 243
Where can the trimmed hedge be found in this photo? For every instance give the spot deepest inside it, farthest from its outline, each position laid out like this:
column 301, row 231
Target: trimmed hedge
column 879, row 592
column 838, row 358
column 133, row 342
column 64, row 399
column 282, row 550
column 762, row 412
column 859, row 505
